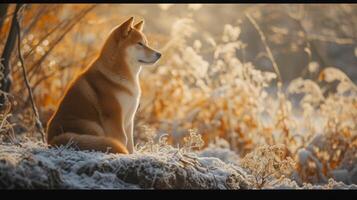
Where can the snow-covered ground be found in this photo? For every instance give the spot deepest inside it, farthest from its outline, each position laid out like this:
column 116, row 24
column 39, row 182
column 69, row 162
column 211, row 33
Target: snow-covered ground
column 32, row 165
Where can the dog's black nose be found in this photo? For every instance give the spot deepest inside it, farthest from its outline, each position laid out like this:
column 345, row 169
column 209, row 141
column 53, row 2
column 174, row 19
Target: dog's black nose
column 158, row 55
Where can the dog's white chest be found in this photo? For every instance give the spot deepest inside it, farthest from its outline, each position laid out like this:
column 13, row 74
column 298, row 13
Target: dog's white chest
column 128, row 104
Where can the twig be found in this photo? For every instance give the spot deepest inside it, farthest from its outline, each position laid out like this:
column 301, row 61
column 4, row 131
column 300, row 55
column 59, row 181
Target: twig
column 37, row 118
column 49, row 33
column 282, row 102
column 34, row 20
column 267, row 48
column 39, row 81
column 45, row 77
column 37, row 65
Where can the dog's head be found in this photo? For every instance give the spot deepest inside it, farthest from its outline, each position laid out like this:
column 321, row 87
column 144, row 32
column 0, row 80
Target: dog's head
column 131, row 41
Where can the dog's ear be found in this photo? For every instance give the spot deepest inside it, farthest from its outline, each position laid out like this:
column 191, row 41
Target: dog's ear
column 127, row 26
column 139, row 26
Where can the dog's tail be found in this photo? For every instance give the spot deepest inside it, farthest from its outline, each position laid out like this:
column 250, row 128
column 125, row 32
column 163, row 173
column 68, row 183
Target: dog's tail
column 90, row 142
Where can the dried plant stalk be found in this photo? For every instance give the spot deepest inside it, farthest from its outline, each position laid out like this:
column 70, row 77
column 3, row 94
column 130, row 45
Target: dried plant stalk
column 24, row 73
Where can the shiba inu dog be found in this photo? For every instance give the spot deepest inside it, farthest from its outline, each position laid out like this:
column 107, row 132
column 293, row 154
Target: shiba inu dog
column 98, row 108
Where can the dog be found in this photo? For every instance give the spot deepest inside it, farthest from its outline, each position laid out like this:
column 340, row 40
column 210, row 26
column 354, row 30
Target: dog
column 98, row 108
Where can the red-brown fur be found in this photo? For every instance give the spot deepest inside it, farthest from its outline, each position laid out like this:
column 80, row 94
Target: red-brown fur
column 90, row 113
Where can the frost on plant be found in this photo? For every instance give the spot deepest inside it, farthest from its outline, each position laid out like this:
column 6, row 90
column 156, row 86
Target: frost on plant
column 267, row 163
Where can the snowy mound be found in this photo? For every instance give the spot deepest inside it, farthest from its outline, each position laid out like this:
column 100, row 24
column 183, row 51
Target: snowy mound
column 34, row 166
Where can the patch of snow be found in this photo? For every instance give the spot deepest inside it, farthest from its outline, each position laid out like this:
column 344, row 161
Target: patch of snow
column 332, row 184
column 33, row 165
column 226, row 155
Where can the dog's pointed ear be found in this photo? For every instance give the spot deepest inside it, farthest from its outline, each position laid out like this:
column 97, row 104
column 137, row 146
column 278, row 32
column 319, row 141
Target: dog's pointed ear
column 139, row 26
column 127, row 26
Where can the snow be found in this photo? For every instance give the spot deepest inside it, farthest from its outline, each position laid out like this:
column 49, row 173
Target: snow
column 223, row 154
column 34, row 166
column 332, row 184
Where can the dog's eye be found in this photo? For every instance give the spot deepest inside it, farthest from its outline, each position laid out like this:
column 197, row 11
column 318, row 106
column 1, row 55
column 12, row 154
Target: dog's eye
column 141, row 44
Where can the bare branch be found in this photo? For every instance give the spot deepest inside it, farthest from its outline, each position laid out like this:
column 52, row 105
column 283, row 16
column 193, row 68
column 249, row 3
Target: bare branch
column 34, row 108
column 34, row 20
column 267, row 48
column 38, row 63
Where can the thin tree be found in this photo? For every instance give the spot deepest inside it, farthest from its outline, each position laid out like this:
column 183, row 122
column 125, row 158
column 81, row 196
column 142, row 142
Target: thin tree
column 5, row 82
column 24, row 73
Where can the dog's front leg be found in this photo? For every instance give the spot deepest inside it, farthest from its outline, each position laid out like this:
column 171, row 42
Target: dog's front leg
column 112, row 119
column 129, row 129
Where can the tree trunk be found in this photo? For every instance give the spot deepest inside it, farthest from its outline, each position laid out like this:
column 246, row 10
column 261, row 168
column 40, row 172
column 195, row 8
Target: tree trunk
column 5, row 57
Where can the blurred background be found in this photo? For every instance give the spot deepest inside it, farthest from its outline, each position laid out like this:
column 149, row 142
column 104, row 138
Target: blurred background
column 218, row 76
column 59, row 40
